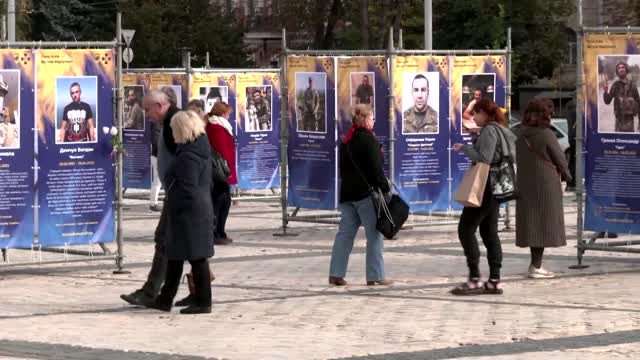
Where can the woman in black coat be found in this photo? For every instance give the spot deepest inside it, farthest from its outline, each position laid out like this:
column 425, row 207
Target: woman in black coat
column 190, row 214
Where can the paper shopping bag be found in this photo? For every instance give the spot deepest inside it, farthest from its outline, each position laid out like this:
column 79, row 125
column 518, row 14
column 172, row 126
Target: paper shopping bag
column 471, row 189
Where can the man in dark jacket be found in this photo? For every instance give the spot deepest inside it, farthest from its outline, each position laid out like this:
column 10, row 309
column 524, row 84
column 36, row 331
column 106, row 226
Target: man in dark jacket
column 159, row 109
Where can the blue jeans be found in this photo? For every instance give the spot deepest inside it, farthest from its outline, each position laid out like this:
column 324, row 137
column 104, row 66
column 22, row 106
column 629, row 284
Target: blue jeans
column 354, row 214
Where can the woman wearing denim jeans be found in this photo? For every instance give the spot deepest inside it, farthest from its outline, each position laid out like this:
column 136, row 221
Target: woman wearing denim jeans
column 360, row 171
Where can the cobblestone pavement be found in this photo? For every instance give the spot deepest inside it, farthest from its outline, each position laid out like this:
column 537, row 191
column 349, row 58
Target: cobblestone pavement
column 272, row 301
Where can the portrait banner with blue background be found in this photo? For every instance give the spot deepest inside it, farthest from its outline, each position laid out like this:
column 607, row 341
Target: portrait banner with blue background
column 472, row 78
column 137, row 131
column 365, row 80
column 17, row 149
column 312, row 132
column 612, row 163
column 258, row 130
column 76, row 173
column 211, row 87
column 421, row 156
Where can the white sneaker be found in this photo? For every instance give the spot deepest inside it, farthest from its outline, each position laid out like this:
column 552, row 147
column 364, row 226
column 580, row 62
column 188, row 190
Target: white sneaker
column 540, row 273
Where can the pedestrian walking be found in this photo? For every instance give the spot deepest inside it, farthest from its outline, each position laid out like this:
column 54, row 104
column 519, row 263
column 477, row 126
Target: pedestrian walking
column 360, row 174
column 220, row 134
column 191, row 219
column 541, row 168
column 486, row 148
column 159, row 108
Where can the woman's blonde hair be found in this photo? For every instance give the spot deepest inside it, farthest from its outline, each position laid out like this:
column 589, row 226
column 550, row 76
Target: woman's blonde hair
column 360, row 114
column 187, row 126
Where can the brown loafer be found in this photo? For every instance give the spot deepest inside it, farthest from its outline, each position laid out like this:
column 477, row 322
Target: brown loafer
column 380, row 282
column 337, row 281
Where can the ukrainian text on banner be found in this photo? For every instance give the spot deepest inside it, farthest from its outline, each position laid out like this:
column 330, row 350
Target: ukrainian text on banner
column 137, row 132
column 213, row 87
column 75, row 176
column 612, row 172
column 472, row 78
column 16, row 149
column 258, row 130
column 365, row 80
column 421, row 158
column 312, row 132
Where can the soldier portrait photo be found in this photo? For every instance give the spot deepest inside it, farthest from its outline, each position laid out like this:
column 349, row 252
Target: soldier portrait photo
column 420, row 103
column 9, row 109
column 618, row 97
column 474, row 88
column 133, row 119
column 311, row 102
column 212, row 94
column 76, row 109
column 363, row 89
column 258, row 110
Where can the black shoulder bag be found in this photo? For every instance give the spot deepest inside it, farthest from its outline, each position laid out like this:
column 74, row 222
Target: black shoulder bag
column 391, row 216
column 503, row 174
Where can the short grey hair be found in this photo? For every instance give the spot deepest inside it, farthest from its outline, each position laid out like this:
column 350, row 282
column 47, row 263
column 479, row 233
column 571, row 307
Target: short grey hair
column 171, row 95
column 158, row 97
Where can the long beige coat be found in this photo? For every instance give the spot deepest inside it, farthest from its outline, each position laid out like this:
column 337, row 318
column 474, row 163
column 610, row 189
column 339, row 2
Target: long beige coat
column 539, row 212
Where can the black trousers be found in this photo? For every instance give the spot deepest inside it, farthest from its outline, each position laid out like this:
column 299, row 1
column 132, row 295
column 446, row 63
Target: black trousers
column 485, row 217
column 221, row 206
column 158, row 269
column 201, row 278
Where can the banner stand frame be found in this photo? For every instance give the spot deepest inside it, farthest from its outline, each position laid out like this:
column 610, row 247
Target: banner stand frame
column 389, row 54
column 118, row 256
column 583, row 245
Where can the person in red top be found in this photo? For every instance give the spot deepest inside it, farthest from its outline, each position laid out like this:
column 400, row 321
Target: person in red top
column 220, row 136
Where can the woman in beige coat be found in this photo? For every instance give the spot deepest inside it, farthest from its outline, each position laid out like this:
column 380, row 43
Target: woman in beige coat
column 541, row 169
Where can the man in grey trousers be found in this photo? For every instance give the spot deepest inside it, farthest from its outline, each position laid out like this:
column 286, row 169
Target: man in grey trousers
column 160, row 108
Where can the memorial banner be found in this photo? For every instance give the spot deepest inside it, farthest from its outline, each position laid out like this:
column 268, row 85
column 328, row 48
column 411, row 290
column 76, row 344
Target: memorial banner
column 312, row 132
column 16, row 148
column 365, row 80
column 75, row 176
column 137, row 131
column 612, row 164
column 472, row 78
column 421, row 171
column 258, row 130
column 214, row 87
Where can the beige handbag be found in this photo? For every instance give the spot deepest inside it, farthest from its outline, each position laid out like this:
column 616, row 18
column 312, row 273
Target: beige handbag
column 471, row 190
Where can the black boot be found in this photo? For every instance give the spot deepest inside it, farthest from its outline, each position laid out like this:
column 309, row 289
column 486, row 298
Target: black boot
column 194, row 309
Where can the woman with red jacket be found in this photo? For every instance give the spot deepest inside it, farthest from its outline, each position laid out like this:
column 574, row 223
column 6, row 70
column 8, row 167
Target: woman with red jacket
column 220, row 134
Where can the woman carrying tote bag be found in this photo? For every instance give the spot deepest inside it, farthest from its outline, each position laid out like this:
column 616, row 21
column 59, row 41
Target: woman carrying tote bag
column 360, row 171
column 486, row 148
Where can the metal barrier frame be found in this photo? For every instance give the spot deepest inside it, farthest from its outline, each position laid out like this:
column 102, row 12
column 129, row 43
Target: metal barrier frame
column 583, row 245
column 36, row 249
column 333, row 217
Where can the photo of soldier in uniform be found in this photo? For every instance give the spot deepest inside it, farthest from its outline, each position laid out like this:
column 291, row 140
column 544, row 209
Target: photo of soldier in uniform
column 474, row 88
column 133, row 113
column 420, row 103
column 212, row 94
column 311, row 102
column 258, row 110
column 618, row 97
column 363, row 89
column 9, row 109
column 76, row 120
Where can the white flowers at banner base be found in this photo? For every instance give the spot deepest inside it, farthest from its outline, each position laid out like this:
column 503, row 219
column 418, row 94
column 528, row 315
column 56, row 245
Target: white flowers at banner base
column 118, row 148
